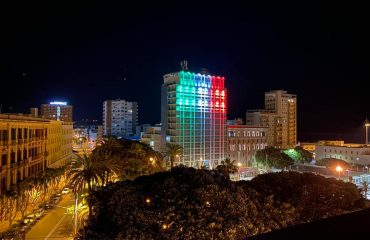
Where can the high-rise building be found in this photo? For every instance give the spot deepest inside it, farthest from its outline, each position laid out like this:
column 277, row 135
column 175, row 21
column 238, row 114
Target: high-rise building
column 28, row 145
column 120, row 118
column 280, row 115
column 152, row 137
column 60, row 111
column 194, row 108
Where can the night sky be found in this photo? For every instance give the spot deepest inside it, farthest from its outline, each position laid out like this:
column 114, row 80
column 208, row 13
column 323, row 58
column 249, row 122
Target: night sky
column 87, row 53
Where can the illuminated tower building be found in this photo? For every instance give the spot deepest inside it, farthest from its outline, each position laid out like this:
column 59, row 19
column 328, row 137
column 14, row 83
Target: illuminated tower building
column 194, row 116
column 60, row 111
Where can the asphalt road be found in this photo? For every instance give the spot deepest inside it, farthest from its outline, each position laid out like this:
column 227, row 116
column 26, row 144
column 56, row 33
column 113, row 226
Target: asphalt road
column 56, row 224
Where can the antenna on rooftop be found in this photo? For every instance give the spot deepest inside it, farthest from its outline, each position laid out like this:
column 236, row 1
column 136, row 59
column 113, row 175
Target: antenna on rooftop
column 184, row 65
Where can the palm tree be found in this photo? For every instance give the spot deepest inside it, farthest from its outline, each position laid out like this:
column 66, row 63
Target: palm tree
column 173, row 151
column 89, row 173
column 227, row 166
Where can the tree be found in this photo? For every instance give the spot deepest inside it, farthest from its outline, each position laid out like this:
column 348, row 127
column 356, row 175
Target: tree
column 299, row 155
column 173, row 152
column 12, row 204
column 128, row 159
column 305, row 156
column 24, row 198
column 186, row 203
column 273, row 157
column 332, row 163
column 89, row 173
column 227, row 167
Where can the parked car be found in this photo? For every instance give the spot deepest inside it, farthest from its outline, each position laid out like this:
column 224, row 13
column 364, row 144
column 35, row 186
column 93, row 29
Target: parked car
column 55, row 200
column 49, row 205
column 39, row 213
column 65, row 190
column 30, row 219
column 24, row 227
column 57, row 195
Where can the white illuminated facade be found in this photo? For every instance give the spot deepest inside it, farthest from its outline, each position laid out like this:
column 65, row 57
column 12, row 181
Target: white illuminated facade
column 351, row 153
column 120, row 118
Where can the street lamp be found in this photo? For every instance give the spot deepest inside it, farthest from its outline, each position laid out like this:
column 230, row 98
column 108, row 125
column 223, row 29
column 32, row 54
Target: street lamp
column 239, row 164
column 339, row 170
column 367, row 124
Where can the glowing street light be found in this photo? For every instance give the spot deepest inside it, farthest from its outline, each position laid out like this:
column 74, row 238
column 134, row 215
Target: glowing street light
column 148, row 200
column 367, row 124
column 339, row 169
column 239, row 164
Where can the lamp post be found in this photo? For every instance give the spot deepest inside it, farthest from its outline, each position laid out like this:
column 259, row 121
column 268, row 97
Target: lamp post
column 339, row 170
column 76, row 214
column 367, row 124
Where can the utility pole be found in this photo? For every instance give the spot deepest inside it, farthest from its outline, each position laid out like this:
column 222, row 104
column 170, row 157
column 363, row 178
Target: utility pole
column 367, row 124
column 76, row 213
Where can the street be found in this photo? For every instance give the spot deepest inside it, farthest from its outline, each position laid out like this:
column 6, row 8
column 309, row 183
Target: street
column 56, row 224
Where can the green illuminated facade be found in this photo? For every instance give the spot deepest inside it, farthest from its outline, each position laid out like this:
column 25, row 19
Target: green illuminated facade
column 194, row 108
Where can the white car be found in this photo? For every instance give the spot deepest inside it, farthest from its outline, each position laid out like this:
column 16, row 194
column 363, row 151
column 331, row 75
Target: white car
column 65, row 191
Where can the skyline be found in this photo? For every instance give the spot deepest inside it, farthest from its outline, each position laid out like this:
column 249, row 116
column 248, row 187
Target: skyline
column 315, row 53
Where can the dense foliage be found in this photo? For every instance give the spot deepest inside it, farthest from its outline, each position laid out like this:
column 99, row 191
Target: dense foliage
column 129, row 159
column 273, row 157
column 332, row 162
column 185, row 203
column 299, row 155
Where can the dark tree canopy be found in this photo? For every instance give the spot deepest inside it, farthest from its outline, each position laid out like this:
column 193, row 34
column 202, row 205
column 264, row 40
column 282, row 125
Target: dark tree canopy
column 273, row 157
column 185, row 203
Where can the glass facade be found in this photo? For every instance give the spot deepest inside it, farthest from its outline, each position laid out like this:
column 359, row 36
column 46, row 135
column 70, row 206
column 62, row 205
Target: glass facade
column 196, row 117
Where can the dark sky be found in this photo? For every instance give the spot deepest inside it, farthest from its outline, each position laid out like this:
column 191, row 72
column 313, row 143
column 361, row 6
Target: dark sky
column 82, row 53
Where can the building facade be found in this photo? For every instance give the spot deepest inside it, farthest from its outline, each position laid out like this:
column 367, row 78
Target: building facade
column 244, row 141
column 28, row 145
column 60, row 111
column 351, row 153
column 280, row 115
column 120, row 118
column 194, row 108
column 152, row 137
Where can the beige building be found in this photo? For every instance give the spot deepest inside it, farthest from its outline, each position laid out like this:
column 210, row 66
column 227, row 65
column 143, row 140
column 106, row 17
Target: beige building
column 244, row 141
column 28, row 145
column 351, row 153
column 280, row 116
column 152, row 137
column 308, row 146
column 57, row 111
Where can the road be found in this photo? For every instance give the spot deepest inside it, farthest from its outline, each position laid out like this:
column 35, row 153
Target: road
column 56, row 224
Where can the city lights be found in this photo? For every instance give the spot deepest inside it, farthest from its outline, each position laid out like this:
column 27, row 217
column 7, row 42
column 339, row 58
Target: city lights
column 201, row 108
column 339, row 169
column 58, row 103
